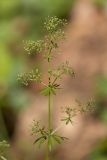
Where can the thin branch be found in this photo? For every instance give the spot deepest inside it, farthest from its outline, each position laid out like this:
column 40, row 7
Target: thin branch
column 44, row 84
column 58, row 128
column 57, row 78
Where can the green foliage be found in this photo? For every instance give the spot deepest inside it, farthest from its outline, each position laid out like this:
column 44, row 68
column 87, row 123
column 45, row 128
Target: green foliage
column 101, row 86
column 3, row 148
column 60, row 8
column 101, row 100
column 100, row 151
column 100, row 4
column 9, row 8
column 43, row 135
column 49, row 90
column 7, row 61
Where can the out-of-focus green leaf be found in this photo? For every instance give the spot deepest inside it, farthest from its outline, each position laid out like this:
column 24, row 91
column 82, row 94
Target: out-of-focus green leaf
column 6, row 62
column 9, row 7
column 100, row 4
column 100, row 152
column 102, row 85
column 103, row 115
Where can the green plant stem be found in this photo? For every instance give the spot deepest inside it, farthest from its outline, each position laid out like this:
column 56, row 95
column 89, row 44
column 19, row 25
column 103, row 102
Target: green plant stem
column 47, row 153
column 49, row 117
column 49, row 96
column 49, row 107
column 49, row 112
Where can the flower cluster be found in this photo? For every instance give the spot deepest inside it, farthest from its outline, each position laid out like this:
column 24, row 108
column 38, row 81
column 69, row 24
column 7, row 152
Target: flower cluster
column 52, row 24
column 55, row 32
column 54, row 27
column 70, row 112
column 33, row 75
column 44, row 135
column 33, row 46
column 64, row 68
column 89, row 107
column 67, row 69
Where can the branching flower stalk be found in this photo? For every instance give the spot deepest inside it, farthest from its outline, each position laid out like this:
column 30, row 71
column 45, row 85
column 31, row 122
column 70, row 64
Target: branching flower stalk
column 54, row 27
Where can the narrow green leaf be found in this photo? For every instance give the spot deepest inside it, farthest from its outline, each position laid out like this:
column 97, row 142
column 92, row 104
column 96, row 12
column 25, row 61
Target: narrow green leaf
column 45, row 91
column 67, row 121
column 41, row 142
column 42, row 137
column 48, row 90
column 57, row 139
column 53, row 91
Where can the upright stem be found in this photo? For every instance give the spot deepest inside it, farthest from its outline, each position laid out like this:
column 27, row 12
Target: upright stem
column 49, row 109
column 47, row 153
column 49, row 96
column 49, row 112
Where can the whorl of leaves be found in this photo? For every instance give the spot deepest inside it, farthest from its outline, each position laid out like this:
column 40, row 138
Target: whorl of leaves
column 43, row 135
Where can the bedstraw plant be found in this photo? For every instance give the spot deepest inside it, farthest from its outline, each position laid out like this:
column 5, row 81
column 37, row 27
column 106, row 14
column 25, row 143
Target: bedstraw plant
column 46, row 47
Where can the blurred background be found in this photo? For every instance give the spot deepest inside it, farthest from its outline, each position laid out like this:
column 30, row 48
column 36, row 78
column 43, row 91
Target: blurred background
column 86, row 49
